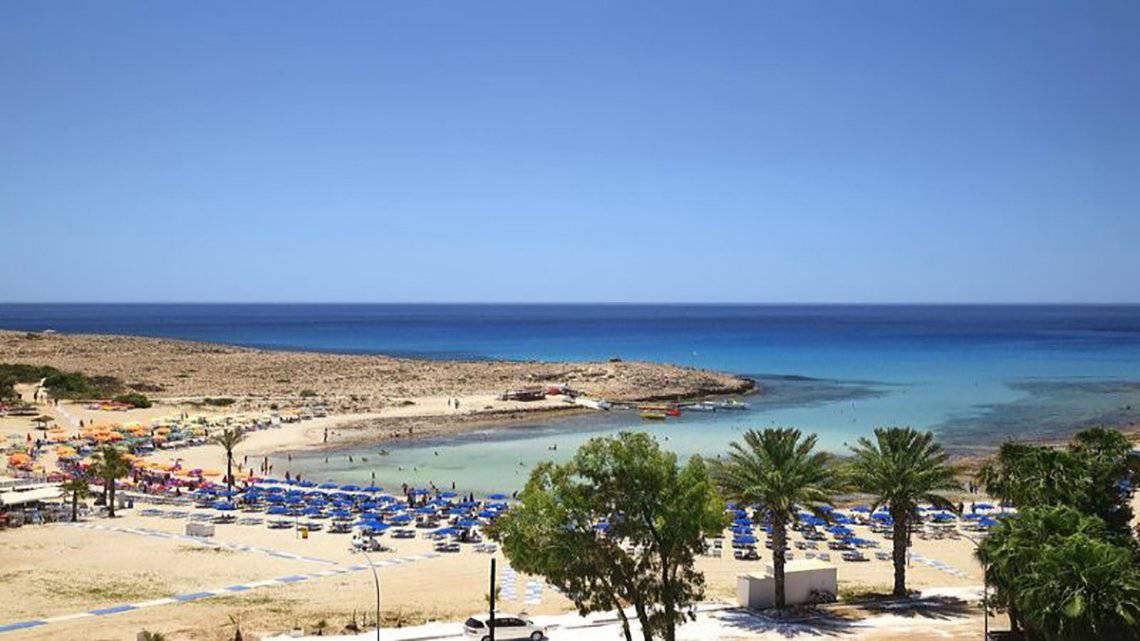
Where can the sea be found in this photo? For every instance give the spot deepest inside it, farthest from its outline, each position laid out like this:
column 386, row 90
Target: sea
column 976, row 375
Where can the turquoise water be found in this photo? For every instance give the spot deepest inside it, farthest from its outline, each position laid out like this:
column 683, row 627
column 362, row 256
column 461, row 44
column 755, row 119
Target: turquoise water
column 974, row 374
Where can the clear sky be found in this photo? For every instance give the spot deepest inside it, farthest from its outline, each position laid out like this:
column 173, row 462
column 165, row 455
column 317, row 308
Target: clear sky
column 570, row 151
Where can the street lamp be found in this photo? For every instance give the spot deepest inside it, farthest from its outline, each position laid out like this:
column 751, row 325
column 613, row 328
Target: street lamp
column 985, row 592
column 376, row 580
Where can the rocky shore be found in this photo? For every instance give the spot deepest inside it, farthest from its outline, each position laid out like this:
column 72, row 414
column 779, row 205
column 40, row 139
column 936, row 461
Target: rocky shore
column 184, row 371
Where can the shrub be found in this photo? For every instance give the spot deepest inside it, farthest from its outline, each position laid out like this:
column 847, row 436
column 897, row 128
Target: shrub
column 219, row 402
column 308, row 393
column 134, row 399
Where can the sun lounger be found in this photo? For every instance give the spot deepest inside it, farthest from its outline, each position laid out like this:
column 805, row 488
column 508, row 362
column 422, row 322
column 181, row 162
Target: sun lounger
column 855, row 556
column 824, row 556
column 280, row 524
column 882, row 556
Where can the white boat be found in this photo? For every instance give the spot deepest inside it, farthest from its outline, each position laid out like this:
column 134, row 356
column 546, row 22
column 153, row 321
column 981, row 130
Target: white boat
column 592, row 403
column 732, row 404
column 701, row 407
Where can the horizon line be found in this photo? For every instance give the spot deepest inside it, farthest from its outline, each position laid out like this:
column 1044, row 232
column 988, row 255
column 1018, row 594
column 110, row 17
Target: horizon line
column 611, row 303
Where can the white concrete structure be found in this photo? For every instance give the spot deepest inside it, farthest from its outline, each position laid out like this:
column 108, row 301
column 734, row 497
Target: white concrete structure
column 199, row 529
column 803, row 582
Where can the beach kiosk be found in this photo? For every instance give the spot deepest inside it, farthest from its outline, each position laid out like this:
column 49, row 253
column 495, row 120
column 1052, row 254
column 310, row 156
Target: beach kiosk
column 804, row 582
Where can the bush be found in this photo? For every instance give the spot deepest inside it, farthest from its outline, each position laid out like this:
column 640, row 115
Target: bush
column 59, row 384
column 307, row 393
column 134, row 399
column 219, row 402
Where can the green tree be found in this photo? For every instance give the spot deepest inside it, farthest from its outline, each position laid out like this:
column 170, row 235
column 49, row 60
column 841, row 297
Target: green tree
column 1027, row 475
column 779, row 470
column 656, row 512
column 109, row 465
column 229, row 438
column 901, row 468
column 1081, row 588
column 1086, row 475
column 1015, row 544
column 77, row 488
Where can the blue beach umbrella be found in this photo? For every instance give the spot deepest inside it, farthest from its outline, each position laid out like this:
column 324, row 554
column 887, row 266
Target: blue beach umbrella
column 328, row 486
column 277, row 510
column 744, row 539
column 497, row 497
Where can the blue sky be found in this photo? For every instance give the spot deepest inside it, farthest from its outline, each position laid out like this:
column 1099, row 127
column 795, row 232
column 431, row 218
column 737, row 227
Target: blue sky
column 577, row 151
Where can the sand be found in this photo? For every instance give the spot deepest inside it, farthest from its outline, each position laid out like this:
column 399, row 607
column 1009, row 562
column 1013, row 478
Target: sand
column 61, row 570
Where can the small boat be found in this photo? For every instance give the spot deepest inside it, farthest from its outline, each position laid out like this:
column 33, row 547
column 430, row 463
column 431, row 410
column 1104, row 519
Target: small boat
column 591, row 403
column 732, row 404
column 655, row 408
column 673, row 412
column 653, row 416
column 701, row 407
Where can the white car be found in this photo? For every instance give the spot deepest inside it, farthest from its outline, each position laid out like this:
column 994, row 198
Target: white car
column 507, row 626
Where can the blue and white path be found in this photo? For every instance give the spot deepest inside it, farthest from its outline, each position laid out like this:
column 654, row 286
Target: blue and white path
column 215, row 592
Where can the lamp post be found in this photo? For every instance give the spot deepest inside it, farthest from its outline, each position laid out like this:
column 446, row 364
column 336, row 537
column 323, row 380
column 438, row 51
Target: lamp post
column 376, row 580
column 985, row 592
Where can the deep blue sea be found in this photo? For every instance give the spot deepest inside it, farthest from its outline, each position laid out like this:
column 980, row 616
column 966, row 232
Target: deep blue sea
column 975, row 374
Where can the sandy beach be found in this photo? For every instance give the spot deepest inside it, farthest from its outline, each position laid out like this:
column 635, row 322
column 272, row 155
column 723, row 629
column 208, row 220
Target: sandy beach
column 63, row 570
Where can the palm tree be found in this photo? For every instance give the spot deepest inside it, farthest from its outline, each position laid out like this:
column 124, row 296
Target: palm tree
column 229, row 439
column 1015, row 545
column 1082, row 588
column 901, row 468
column 109, row 465
column 78, row 488
column 778, row 470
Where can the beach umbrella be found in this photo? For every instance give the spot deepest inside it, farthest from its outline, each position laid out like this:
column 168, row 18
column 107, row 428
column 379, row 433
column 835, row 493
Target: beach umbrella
column 424, row 510
column 983, row 506
column 371, row 489
column 861, row 508
column 467, row 523
column 311, row 511
column 746, row 539
column 341, row 514
column 840, row 530
column 448, row 495
column 293, row 500
column 224, row 506
column 488, row 514
column 350, row 488
column 602, row 526
column 400, row 518
column 497, row 497
column 741, row 529
column 445, row 531
column 328, row 486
